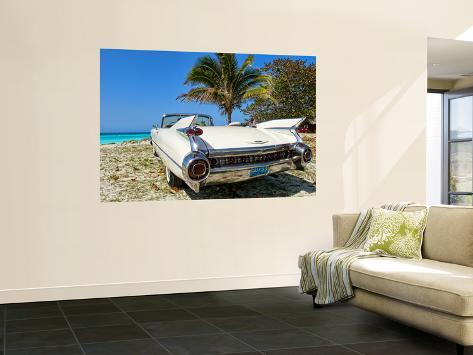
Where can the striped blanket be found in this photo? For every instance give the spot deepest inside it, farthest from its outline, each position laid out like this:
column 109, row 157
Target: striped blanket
column 325, row 273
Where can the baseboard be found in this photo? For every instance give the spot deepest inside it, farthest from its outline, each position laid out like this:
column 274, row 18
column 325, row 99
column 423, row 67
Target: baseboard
column 147, row 288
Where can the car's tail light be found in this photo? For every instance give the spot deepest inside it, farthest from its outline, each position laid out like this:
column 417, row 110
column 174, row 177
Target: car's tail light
column 195, row 166
column 194, row 131
column 302, row 130
column 198, row 169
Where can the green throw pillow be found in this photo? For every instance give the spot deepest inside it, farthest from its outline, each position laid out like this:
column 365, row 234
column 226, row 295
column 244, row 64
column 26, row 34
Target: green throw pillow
column 396, row 233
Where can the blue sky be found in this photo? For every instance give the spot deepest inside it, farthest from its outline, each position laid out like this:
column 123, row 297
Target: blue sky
column 137, row 87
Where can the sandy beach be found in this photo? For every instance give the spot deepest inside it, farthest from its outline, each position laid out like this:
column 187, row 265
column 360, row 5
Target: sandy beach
column 130, row 172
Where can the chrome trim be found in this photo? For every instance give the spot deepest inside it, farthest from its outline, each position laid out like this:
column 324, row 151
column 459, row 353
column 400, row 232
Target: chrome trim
column 216, row 153
column 228, row 176
column 301, row 149
column 250, row 166
column 196, row 143
column 293, row 130
column 237, row 173
column 188, row 159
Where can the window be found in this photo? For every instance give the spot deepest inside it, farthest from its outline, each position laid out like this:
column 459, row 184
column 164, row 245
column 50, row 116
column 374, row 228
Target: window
column 170, row 120
column 203, row 120
column 458, row 148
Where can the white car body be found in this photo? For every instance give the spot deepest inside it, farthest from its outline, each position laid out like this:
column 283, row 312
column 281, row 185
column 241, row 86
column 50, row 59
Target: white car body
column 229, row 153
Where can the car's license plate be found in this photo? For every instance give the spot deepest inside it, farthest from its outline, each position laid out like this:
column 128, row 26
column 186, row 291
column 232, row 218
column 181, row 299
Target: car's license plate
column 261, row 170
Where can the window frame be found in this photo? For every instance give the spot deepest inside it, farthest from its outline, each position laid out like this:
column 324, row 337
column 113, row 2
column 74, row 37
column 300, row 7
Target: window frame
column 446, row 142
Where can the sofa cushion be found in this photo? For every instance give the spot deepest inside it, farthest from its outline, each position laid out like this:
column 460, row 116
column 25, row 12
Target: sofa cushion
column 441, row 286
column 396, row 233
column 448, row 236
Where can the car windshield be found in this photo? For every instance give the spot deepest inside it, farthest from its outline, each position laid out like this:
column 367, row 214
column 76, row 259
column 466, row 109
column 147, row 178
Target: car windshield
column 200, row 120
column 170, row 120
column 203, row 121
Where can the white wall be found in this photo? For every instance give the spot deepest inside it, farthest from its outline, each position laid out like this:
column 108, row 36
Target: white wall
column 59, row 241
column 434, row 149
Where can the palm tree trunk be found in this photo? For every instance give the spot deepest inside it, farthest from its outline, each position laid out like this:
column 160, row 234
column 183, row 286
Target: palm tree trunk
column 229, row 117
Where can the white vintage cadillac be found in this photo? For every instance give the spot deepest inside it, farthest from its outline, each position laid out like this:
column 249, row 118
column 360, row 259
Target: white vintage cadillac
column 196, row 152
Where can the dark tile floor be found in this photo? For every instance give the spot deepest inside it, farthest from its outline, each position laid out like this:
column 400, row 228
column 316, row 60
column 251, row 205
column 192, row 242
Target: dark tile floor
column 273, row 321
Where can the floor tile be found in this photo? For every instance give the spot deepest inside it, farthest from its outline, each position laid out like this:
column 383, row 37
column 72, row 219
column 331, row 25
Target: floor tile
column 128, row 347
column 84, row 302
column 290, row 292
column 27, row 325
column 404, row 347
column 110, row 333
column 39, row 339
column 314, row 318
column 59, row 350
column 98, row 320
column 180, row 327
column 320, row 350
column 224, row 311
column 359, row 333
column 143, row 303
column 161, row 315
column 90, row 309
column 250, row 323
column 252, row 291
column 50, row 311
column 235, row 297
column 198, row 299
column 204, row 344
column 357, row 314
column 279, row 339
column 405, row 331
column 279, row 320
column 30, row 305
column 282, row 307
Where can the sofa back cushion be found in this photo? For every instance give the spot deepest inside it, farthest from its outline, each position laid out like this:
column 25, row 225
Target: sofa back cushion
column 448, row 236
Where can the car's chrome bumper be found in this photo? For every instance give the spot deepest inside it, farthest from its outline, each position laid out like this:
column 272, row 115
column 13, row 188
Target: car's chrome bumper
column 236, row 173
column 242, row 173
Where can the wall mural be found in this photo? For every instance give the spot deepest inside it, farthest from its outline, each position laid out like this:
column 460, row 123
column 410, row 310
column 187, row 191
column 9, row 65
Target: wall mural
column 188, row 125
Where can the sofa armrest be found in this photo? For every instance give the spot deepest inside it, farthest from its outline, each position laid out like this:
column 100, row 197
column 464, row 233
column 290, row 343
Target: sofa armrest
column 343, row 225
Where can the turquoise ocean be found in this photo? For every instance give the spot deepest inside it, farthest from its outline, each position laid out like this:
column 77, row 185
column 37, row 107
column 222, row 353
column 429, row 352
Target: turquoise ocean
column 107, row 138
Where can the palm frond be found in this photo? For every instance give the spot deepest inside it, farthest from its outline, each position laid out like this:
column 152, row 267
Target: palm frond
column 258, row 92
column 201, row 95
column 219, row 80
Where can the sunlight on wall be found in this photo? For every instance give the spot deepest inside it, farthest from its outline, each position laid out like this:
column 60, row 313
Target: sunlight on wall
column 467, row 35
column 371, row 150
column 434, row 149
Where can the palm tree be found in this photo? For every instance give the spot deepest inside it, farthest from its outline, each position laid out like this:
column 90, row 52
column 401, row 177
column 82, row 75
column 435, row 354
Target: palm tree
column 218, row 80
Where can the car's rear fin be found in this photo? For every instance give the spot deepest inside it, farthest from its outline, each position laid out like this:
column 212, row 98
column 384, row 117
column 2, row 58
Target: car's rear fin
column 184, row 122
column 283, row 123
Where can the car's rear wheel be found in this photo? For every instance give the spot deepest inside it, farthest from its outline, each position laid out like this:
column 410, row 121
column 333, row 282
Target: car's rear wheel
column 155, row 153
column 172, row 180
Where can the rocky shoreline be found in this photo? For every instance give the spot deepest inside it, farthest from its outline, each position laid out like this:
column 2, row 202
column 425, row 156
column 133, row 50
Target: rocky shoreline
column 130, row 172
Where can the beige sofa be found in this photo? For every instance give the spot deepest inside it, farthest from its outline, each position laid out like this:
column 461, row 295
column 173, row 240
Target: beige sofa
column 434, row 294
